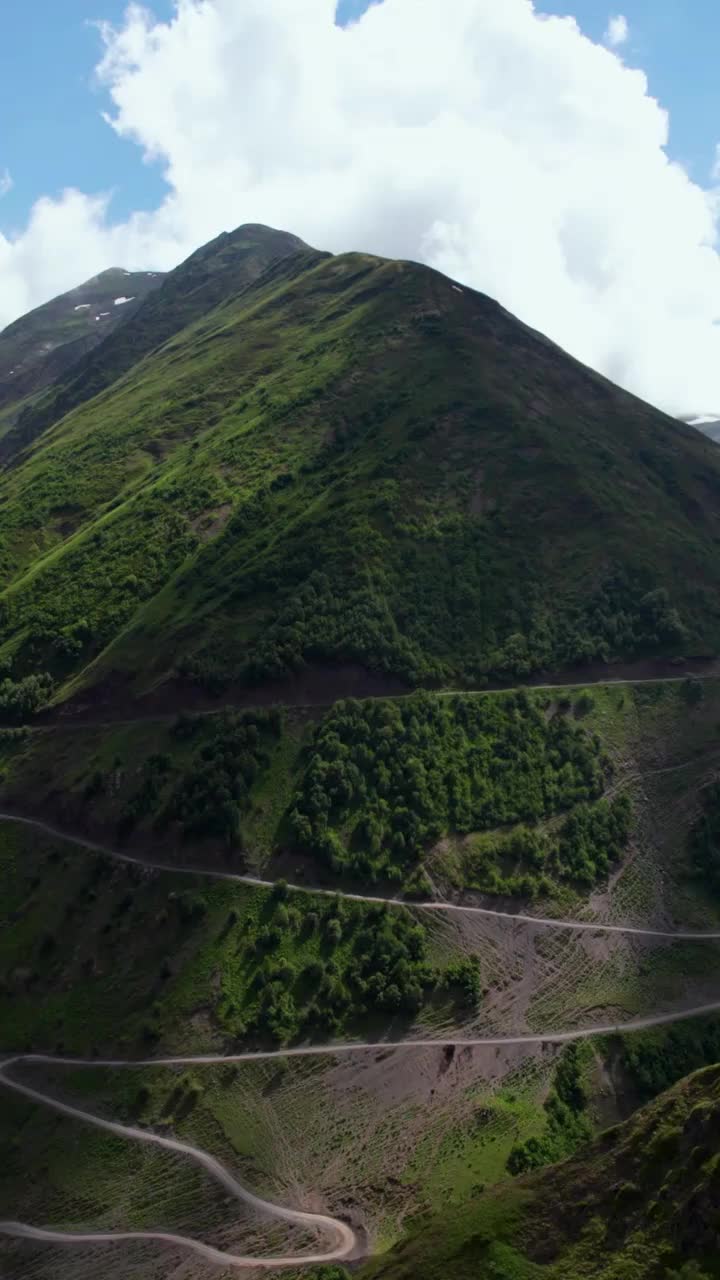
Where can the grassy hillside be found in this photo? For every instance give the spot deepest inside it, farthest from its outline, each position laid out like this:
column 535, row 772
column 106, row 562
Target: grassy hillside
column 642, row 1202
column 96, row 956
column 216, row 272
column 350, row 459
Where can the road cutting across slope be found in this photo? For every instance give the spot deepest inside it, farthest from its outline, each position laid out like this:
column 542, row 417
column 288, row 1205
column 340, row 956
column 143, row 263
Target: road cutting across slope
column 517, row 917
column 68, row 717
column 344, row 1241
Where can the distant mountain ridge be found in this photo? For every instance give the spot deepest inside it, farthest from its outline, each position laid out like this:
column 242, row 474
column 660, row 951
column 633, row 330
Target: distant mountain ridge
column 213, row 273
column 707, row 423
column 42, row 345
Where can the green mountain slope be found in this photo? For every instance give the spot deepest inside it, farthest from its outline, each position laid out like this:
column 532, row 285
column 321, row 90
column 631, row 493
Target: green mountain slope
column 642, row 1202
column 350, row 460
column 284, row 473
column 42, row 346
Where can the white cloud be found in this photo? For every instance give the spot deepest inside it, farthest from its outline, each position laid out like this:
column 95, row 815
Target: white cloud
column 493, row 142
column 6, row 182
column 618, row 31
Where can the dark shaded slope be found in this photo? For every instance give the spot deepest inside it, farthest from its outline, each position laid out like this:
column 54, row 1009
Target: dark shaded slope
column 641, row 1203
column 44, row 344
column 217, row 271
column 457, row 498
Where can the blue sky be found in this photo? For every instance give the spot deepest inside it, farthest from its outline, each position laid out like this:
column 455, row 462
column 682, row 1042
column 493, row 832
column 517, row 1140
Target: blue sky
column 52, row 134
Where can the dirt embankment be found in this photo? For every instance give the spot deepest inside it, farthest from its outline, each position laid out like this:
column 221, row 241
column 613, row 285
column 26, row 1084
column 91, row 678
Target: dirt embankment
column 116, row 700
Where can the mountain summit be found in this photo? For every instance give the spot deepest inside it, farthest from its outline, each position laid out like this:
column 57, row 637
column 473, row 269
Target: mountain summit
column 286, row 458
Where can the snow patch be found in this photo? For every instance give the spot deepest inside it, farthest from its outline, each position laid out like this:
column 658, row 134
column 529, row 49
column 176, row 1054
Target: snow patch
column 457, row 288
column 706, row 417
column 83, row 306
column 120, row 302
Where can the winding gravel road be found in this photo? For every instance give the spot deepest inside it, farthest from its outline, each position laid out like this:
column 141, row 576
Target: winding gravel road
column 669, row 672
column 547, row 922
column 345, row 1239
column 346, row 1242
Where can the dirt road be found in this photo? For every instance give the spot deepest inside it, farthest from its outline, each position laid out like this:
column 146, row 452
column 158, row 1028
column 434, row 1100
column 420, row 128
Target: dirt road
column 543, row 922
column 346, row 1243
column 345, row 1240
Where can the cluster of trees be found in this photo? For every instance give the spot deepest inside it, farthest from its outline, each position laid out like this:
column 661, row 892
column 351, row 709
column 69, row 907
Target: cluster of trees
column 21, row 699
column 463, row 978
column 385, row 779
column 364, row 959
column 438, row 600
column 653, row 1061
column 214, row 791
column 591, row 840
column 624, row 619
column 327, row 619
column 316, row 968
column 530, row 862
column 210, row 796
column 567, row 1124
column 145, row 801
column 76, row 605
column 428, row 609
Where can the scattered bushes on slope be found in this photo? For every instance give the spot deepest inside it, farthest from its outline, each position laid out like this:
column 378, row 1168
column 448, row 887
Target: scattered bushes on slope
column 210, row 796
column 567, row 1126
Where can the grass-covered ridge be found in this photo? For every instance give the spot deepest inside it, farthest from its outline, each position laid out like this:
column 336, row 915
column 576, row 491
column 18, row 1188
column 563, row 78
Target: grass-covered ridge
column 346, row 459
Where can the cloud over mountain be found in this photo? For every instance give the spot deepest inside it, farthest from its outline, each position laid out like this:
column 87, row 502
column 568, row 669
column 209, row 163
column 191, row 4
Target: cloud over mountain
column 497, row 144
